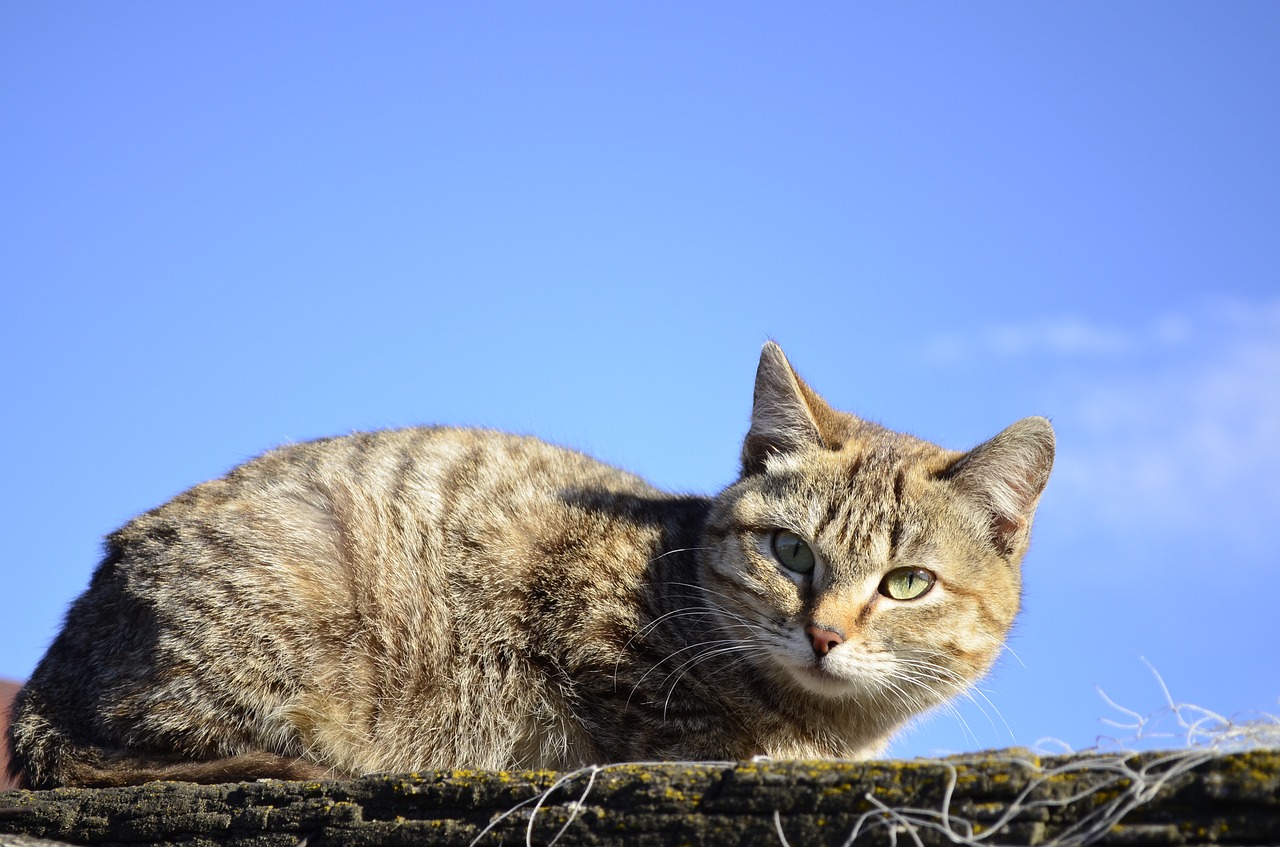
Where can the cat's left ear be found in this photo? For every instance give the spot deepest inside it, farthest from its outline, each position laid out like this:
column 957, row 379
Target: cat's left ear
column 786, row 415
column 1007, row 474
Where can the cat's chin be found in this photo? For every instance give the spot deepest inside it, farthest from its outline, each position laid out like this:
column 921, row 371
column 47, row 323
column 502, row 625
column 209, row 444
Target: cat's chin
column 819, row 679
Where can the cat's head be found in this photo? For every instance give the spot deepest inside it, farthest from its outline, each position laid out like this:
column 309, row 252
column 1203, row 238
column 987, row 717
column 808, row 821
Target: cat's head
column 866, row 564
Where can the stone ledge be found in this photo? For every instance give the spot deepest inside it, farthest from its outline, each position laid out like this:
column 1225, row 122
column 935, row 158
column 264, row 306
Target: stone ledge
column 1001, row 797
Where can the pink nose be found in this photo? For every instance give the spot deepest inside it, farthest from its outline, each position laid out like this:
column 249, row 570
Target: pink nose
column 823, row 640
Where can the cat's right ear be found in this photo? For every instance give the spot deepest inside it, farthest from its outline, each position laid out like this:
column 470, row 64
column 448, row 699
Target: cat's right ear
column 785, row 414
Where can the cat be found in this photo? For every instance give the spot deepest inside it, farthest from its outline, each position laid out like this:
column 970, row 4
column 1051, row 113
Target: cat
column 442, row 598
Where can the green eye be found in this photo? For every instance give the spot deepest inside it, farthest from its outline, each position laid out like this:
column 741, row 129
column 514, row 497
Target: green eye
column 906, row 583
column 792, row 552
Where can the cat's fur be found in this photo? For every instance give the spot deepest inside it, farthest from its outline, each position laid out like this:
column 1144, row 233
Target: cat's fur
column 443, row 598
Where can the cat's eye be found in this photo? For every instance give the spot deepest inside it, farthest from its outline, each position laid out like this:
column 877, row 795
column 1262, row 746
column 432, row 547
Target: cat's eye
column 906, row 583
column 792, row 551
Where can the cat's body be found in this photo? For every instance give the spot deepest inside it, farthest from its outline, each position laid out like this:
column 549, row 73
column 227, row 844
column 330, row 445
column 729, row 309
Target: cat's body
column 442, row 598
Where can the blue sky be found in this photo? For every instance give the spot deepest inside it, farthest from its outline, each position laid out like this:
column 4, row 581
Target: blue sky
column 226, row 226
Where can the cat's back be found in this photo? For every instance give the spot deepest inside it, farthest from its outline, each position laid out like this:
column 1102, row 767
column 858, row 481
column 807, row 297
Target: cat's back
column 412, row 465
column 384, row 500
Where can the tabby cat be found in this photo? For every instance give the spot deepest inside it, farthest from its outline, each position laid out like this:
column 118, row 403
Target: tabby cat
column 458, row 598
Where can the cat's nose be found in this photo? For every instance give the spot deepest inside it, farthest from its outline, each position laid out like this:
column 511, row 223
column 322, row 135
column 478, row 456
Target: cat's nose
column 823, row 640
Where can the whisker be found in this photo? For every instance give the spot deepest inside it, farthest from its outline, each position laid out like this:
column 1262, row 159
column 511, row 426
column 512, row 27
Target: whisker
column 675, row 653
column 701, row 657
column 675, row 551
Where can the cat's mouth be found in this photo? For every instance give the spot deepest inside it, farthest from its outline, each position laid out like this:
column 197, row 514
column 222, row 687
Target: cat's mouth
column 819, row 677
column 836, row 674
column 845, row 671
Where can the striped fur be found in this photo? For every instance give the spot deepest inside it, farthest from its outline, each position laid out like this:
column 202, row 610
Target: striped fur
column 449, row 598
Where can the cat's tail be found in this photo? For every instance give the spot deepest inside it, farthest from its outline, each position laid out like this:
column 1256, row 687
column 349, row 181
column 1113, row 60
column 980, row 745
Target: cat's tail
column 97, row 768
column 42, row 756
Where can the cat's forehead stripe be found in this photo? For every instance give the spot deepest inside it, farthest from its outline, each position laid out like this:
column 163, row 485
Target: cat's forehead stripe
column 895, row 529
column 869, row 503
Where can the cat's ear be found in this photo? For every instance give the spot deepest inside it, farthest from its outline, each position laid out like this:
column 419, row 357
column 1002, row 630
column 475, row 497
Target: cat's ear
column 1007, row 474
column 786, row 414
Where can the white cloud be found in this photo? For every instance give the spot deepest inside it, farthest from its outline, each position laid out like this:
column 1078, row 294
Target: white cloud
column 1170, row 426
column 1188, row 444
column 1063, row 337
